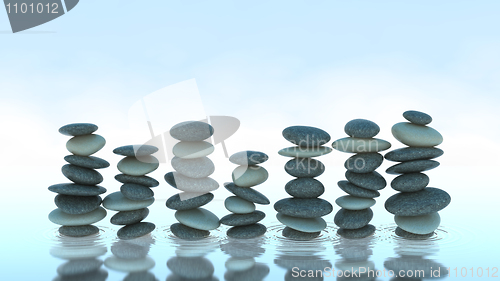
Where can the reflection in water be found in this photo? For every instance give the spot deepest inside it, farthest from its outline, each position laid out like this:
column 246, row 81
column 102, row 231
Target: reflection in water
column 241, row 265
column 355, row 262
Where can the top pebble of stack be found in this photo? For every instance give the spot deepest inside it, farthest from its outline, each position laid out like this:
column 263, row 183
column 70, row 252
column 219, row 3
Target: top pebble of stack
column 361, row 128
column 192, row 131
column 417, row 117
column 78, row 129
column 305, row 136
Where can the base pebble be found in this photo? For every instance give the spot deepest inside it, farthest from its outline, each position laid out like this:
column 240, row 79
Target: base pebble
column 359, row 233
column 78, row 231
column 247, row 231
column 293, row 234
column 188, row 233
column 401, row 233
column 135, row 230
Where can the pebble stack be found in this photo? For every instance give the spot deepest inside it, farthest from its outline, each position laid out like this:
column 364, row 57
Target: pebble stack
column 78, row 203
column 302, row 213
column 135, row 194
column 244, row 218
column 416, row 207
column 192, row 170
column 363, row 182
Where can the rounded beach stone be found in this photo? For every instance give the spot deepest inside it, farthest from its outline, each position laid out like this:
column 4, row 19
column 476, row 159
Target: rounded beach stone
column 193, row 168
column 417, row 117
column 350, row 202
column 304, row 152
column 134, row 167
column 362, row 163
column 238, row 205
column 412, row 167
column 293, row 234
column 401, row 233
column 416, row 135
column 78, row 231
column 247, row 193
column 59, row 217
column 184, row 183
column 192, row 131
column 303, row 208
column 353, row 219
column 191, row 150
column 427, row 201
column 77, row 189
column 357, row 191
column 305, row 188
column 188, row 233
column 242, row 219
column 304, row 167
column 117, row 202
column 192, row 268
column 198, row 218
column 248, row 176
column 239, row 264
column 77, row 205
column 81, row 175
column 410, row 182
column 135, row 265
column 78, row 129
column 361, row 128
column 247, row 231
column 306, row 136
column 419, row 224
column 75, row 268
column 85, row 145
column 359, row 145
column 134, row 191
column 142, row 180
column 135, row 230
column 175, row 202
column 129, row 217
column 90, row 162
column 135, row 150
column 372, row 181
column 248, row 157
column 301, row 224
column 413, row 153
column 359, row 233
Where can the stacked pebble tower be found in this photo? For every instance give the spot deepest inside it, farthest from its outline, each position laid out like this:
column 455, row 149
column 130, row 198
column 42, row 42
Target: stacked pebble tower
column 192, row 171
column 362, row 182
column 78, row 203
column 416, row 206
column 135, row 194
column 302, row 214
column 244, row 218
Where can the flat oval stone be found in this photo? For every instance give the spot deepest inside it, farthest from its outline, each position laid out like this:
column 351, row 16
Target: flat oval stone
column 353, row 219
column 135, row 150
column 135, row 230
column 424, row 224
column 90, row 162
column 192, row 149
column 175, row 202
column 238, row 205
column 78, row 129
column 248, row 176
column 117, row 202
column 248, row 157
column 135, row 265
column 243, row 219
column 417, row 117
column 142, row 180
column 134, row 167
column 191, row 268
column 192, row 131
column 413, row 153
column 78, row 231
column 198, row 218
column 184, row 183
column 57, row 216
column 129, row 217
column 246, row 231
column 306, row 136
column 81, row 175
column 364, row 162
column 293, row 234
column 350, row 202
column 247, row 193
column 359, row 233
column 416, row 135
column 302, row 224
column 305, row 188
column 134, row 191
column 188, row 233
column 412, row 167
column 408, row 235
column 77, row 205
column 372, row 181
column 193, row 168
column 427, row 201
column 361, row 128
column 359, row 145
column 303, row 208
column 85, row 145
column 303, row 152
column 357, row 191
column 77, row 189
column 411, row 182
column 304, row 167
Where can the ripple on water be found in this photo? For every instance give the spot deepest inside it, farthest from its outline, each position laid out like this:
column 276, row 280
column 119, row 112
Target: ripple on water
column 51, row 236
